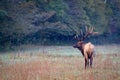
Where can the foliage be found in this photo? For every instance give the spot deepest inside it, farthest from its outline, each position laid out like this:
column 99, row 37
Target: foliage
column 37, row 21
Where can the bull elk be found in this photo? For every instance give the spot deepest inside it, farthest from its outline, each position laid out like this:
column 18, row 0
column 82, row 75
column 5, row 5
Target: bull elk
column 87, row 49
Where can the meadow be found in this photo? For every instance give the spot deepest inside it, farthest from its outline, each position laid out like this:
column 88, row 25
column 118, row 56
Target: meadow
column 59, row 63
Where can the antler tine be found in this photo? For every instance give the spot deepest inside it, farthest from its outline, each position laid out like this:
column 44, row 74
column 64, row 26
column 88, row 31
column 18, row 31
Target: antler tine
column 84, row 33
column 86, row 29
column 78, row 35
column 75, row 37
column 81, row 32
column 91, row 30
column 88, row 32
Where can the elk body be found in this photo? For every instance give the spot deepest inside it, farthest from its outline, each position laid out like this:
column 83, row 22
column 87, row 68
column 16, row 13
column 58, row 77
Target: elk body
column 87, row 49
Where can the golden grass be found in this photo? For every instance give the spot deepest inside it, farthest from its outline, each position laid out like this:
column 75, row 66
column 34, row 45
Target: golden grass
column 55, row 67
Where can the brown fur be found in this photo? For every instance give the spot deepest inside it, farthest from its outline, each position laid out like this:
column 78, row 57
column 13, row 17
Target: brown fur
column 87, row 51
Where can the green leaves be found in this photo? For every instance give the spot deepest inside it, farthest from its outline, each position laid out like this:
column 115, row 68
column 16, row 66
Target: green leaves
column 3, row 15
column 23, row 18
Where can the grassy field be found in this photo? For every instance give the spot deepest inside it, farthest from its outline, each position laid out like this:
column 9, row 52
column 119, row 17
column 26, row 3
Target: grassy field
column 39, row 66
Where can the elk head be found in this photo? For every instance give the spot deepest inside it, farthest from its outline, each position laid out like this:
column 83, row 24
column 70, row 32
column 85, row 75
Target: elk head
column 83, row 34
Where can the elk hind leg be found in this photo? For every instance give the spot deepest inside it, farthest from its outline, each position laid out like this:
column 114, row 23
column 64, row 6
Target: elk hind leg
column 91, row 61
column 86, row 63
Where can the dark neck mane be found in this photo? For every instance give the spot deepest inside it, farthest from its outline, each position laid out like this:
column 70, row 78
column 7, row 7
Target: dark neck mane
column 82, row 49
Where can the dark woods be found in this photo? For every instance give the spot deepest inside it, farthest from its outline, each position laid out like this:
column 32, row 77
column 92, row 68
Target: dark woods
column 55, row 22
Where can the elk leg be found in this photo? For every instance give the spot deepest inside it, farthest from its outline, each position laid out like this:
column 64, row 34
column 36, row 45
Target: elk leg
column 86, row 59
column 86, row 63
column 91, row 60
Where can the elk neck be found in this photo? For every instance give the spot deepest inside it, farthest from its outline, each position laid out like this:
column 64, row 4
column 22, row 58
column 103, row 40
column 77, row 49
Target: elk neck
column 82, row 48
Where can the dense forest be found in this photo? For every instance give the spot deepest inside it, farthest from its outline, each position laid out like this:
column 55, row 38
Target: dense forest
column 55, row 22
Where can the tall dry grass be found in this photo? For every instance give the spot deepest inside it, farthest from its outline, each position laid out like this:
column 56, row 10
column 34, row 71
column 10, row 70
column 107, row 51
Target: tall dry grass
column 57, row 67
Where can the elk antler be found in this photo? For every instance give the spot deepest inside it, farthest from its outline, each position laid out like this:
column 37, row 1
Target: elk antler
column 88, row 32
column 85, row 33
